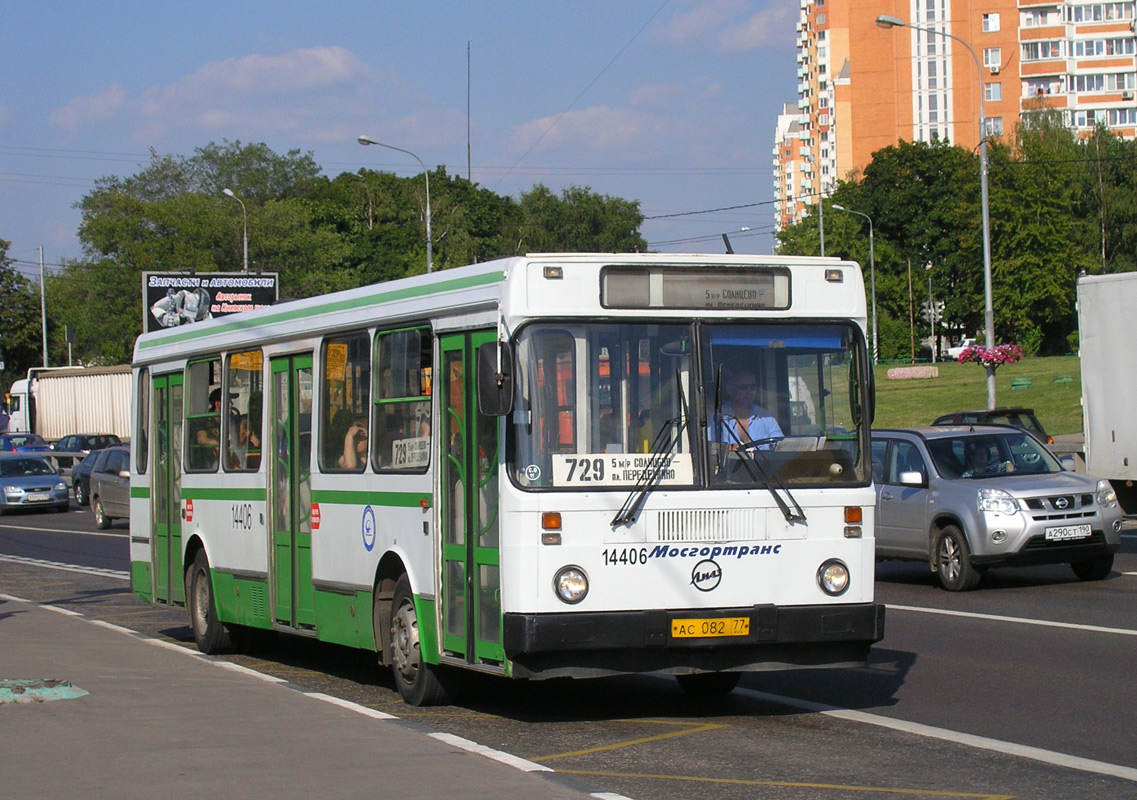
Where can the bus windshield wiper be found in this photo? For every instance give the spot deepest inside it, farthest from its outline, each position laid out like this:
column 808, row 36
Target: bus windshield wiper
column 669, row 435
column 756, row 465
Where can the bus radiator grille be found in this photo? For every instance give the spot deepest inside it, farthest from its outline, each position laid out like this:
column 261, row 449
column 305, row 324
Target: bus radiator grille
column 709, row 525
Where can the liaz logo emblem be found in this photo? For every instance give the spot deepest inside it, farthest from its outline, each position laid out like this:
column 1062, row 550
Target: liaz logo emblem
column 706, row 576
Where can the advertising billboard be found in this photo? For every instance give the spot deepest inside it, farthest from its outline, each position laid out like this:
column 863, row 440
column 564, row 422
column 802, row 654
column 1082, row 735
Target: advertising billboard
column 170, row 299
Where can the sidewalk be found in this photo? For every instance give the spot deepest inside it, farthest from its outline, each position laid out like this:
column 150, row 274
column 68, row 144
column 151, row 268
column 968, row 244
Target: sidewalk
column 159, row 723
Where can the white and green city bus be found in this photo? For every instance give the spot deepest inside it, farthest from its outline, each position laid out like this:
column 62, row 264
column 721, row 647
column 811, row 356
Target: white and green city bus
column 526, row 467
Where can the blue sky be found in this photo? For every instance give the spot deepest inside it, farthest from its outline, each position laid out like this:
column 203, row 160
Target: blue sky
column 669, row 102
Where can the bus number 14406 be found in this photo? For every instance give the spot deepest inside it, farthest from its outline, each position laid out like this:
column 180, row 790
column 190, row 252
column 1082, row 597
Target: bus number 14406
column 625, row 556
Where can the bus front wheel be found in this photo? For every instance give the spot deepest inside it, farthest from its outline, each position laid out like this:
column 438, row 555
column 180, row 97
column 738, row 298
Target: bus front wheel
column 208, row 631
column 417, row 681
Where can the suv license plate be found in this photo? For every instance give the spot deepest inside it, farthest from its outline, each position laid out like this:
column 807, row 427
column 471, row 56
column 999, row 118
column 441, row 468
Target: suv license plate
column 708, row 628
column 1068, row 532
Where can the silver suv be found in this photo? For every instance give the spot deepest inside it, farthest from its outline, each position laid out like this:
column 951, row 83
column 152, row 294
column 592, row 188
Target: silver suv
column 964, row 498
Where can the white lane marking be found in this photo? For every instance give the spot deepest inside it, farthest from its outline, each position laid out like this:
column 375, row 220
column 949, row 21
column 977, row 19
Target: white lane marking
column 350, row 706
column 968, row 739
column 116, row 534
column 117, row 574
column 497, row 755
column 1019, row 620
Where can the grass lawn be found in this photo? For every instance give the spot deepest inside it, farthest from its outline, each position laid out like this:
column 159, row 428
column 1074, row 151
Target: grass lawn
column 963, row 387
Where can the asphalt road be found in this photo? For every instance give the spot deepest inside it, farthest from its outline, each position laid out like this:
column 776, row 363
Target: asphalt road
column 1018, row 689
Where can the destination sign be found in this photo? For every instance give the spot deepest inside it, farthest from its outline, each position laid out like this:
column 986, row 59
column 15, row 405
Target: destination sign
column 745, row 288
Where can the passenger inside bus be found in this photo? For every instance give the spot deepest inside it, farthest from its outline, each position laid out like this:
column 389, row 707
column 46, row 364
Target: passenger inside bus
column 207, row 438
column 244, row 445
column 354, row 455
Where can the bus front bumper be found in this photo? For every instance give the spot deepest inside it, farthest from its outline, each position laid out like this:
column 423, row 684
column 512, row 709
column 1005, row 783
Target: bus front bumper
column 613, row 642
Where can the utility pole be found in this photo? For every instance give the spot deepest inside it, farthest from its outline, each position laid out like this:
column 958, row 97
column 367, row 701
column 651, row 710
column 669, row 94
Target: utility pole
column 43, row 305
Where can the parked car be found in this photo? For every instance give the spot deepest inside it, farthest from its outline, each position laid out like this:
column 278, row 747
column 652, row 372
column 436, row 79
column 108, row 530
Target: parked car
column 24, row 443
column 1023, row 418
column 30, row 481
column 937, row 503
column 110, row 485
column 81, row 478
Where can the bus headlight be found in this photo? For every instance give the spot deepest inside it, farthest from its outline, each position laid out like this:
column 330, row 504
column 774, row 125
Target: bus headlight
column 571, row 584
column 833, row 577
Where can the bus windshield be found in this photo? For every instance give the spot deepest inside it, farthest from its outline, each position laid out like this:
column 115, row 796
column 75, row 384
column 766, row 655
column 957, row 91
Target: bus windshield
column 597, row 403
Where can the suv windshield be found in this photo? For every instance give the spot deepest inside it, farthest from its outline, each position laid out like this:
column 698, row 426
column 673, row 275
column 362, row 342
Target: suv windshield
column 592, row 399
column 984, row 455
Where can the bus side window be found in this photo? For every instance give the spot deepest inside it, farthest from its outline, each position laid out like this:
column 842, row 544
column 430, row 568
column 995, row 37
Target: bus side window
column 243, row 430
column 345, row 399
column 404, row 363
column 204, row 407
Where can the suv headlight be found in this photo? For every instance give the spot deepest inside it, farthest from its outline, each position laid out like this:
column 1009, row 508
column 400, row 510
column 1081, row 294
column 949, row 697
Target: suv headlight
column 1107, row 498
column 997, row 501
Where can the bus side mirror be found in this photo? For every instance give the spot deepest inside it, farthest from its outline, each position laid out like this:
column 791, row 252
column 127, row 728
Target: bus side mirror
column 495, row 379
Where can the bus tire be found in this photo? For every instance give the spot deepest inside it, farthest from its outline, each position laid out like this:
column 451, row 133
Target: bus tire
column 708, row 684
column 209, row 632
column 102, row 521
column 953, row 561
column 417, row 681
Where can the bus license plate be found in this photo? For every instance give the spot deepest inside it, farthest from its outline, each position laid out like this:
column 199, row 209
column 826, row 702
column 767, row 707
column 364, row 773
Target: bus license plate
column 707, row 628
column 1068, row 532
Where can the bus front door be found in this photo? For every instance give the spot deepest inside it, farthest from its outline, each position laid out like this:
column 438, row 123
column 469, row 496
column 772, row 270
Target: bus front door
column 471, row 579
column 166, row 533
column 290, row 492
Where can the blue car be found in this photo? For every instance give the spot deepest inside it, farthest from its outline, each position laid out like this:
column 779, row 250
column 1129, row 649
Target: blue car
column 24, row 443
column 31, row 482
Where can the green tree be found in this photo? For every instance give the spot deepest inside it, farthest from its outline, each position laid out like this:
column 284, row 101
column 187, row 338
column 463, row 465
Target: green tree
column 21, row 340
column 101, row 301
column 578, row 221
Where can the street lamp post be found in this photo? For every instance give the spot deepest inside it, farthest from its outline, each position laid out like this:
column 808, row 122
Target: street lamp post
column 366, row 140
column 245, row 228
column 872, row 276
column 887, row 21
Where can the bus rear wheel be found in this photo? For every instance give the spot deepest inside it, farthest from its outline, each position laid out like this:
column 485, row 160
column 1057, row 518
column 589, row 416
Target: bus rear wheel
column 417, row 681
column 209, row 632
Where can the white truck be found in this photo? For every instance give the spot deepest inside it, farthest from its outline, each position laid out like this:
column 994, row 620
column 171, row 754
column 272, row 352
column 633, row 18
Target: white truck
column 1105, row 335
column 58, row 402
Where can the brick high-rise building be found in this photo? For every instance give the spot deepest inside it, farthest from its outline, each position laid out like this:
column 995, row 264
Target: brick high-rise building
column 861, row 87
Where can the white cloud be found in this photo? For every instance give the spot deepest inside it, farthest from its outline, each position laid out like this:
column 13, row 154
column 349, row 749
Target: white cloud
column 99, row 107
column 602, row 129
column 702, row 19
column 654, row 94
column 770, row 27
column 249, row 96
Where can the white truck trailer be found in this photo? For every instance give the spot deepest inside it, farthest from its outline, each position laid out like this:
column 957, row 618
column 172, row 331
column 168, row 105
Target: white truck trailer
column 58, row 402
column 1105, row 335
